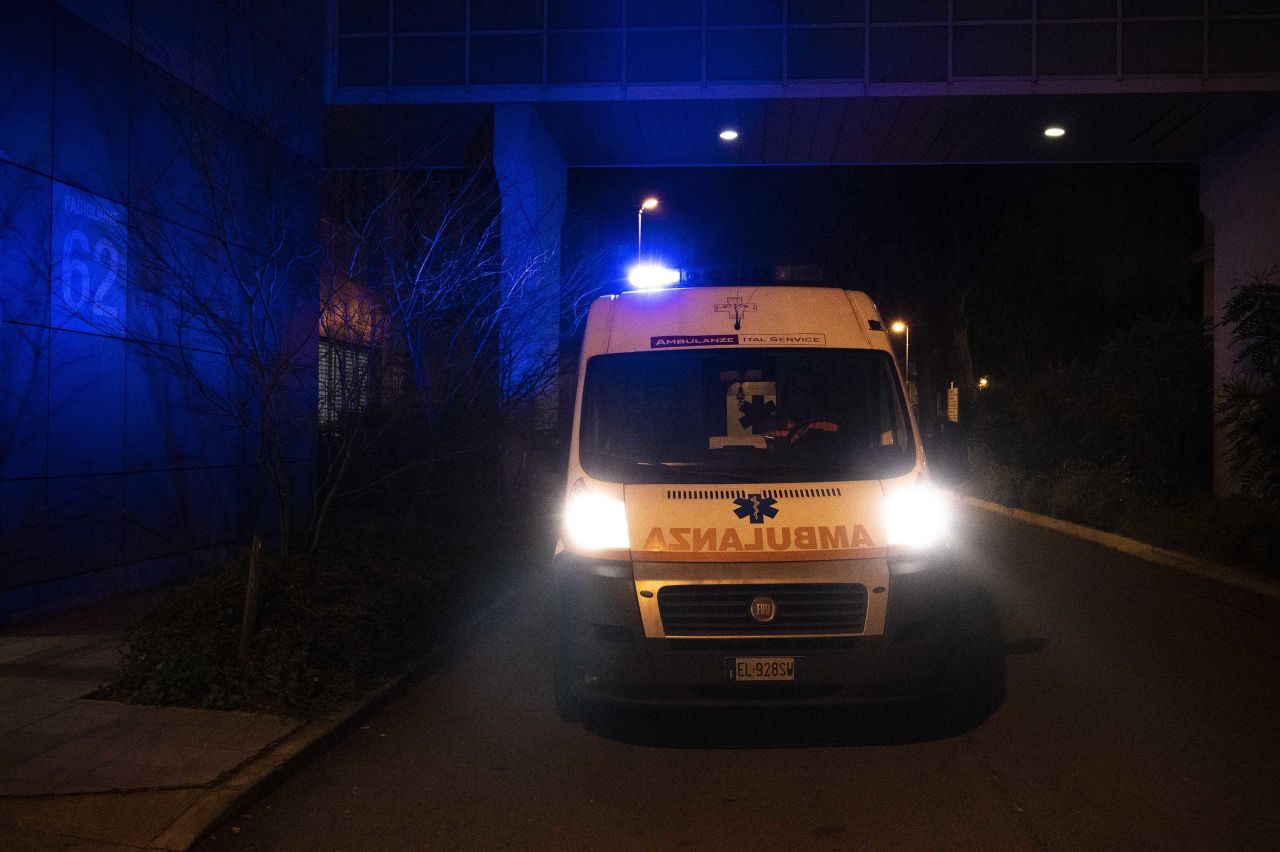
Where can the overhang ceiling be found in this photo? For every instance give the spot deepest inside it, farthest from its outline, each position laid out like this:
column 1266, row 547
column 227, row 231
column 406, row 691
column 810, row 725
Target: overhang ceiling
column 1155, row 127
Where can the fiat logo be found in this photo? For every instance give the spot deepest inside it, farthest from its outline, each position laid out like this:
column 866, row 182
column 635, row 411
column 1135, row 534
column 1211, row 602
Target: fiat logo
column 763, row 609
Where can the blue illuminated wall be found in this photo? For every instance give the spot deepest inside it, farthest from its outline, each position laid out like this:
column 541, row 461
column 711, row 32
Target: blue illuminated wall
column 114, row 473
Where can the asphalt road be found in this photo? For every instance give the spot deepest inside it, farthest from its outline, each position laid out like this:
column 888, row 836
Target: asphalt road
column 1141, row 710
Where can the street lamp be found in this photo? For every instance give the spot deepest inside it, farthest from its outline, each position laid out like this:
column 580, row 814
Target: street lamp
column 648, row 204
column 900, row 327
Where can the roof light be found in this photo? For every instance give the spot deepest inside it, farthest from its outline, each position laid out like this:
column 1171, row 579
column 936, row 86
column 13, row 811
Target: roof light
column 1053, row 131
column 652, row 276
column 728, row 134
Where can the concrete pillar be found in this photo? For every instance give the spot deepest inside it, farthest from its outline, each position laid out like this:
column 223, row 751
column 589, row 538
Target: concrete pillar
column 532, row 180
column 1240, row 196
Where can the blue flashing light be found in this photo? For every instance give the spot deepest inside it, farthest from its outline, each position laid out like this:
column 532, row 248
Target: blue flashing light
column 652, row 276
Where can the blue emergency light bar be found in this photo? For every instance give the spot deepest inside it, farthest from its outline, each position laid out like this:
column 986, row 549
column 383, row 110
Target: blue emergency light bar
column 652, row 276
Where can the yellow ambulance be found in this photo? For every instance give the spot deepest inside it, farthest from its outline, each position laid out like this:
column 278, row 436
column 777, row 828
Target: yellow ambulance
column 748, row 517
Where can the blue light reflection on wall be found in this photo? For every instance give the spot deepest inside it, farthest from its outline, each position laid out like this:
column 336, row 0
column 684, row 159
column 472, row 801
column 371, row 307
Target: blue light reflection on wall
column 112, row 464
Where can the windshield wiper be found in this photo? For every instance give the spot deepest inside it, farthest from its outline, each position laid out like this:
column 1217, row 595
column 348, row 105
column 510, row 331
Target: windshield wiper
column 694, row 472
column 654, row 470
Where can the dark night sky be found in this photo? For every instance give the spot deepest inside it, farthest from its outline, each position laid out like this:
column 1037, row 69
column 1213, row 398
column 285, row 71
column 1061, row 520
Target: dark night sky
column 1105, row 243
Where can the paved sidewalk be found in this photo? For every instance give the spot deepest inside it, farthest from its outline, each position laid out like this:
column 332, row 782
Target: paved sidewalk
column 1249, row 579
column 65, row 758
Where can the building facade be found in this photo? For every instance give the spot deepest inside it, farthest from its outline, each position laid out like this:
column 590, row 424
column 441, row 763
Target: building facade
column 146, row 149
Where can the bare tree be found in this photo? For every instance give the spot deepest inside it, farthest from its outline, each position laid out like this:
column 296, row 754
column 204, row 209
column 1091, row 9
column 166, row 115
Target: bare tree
column 416, row 313
column 450, row 319
column 374, row 350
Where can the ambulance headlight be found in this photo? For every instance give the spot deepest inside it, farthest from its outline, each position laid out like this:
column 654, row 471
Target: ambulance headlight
column 917, row 517
column 594, row 521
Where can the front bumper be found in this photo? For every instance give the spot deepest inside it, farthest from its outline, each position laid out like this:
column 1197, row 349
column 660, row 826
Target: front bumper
column 602, row 645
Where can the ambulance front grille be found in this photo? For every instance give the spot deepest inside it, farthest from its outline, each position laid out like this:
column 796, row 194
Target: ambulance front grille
column 737, row 494
column 725, row 610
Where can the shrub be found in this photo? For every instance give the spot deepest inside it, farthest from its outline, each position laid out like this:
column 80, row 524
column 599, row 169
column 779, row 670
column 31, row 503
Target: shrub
column 1140, row 408
column 1088, row 494
column 329, row 625
column 1005, row 484
column 1249, row 408
column 386, row 583
column 1235, row 530
column 1149, row 404
column 1120, row 441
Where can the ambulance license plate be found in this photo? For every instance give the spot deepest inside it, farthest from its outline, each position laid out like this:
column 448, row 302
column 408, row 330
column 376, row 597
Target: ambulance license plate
column 762, row 668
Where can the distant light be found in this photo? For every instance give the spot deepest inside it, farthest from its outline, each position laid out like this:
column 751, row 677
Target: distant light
column 1054, row 131
column 983, row 382
column 652, row 276
column 898, row 327
column 649, row 203
column 728, row 134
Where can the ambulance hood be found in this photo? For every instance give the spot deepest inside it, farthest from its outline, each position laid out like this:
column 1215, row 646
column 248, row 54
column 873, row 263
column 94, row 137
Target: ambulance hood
column 746, row 523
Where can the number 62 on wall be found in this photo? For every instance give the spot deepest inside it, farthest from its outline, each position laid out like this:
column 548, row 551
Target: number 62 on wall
column 89, row 262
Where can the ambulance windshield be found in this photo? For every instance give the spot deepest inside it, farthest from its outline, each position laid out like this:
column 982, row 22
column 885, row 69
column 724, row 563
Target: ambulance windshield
column 744, row 415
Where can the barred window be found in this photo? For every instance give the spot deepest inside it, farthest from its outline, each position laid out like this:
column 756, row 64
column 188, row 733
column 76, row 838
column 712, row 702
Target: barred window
column 344, row 381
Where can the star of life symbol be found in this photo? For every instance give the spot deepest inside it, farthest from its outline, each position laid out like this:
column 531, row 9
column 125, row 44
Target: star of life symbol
column 736, row 305
column 756, row 506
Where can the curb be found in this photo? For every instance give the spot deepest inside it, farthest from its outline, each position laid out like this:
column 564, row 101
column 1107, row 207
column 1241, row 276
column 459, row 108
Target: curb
column 1185, row 562
column 277, row 763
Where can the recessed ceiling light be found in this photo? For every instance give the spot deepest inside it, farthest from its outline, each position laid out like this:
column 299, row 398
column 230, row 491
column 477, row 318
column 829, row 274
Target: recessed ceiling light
column 1053, row 131
column 728, row 134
